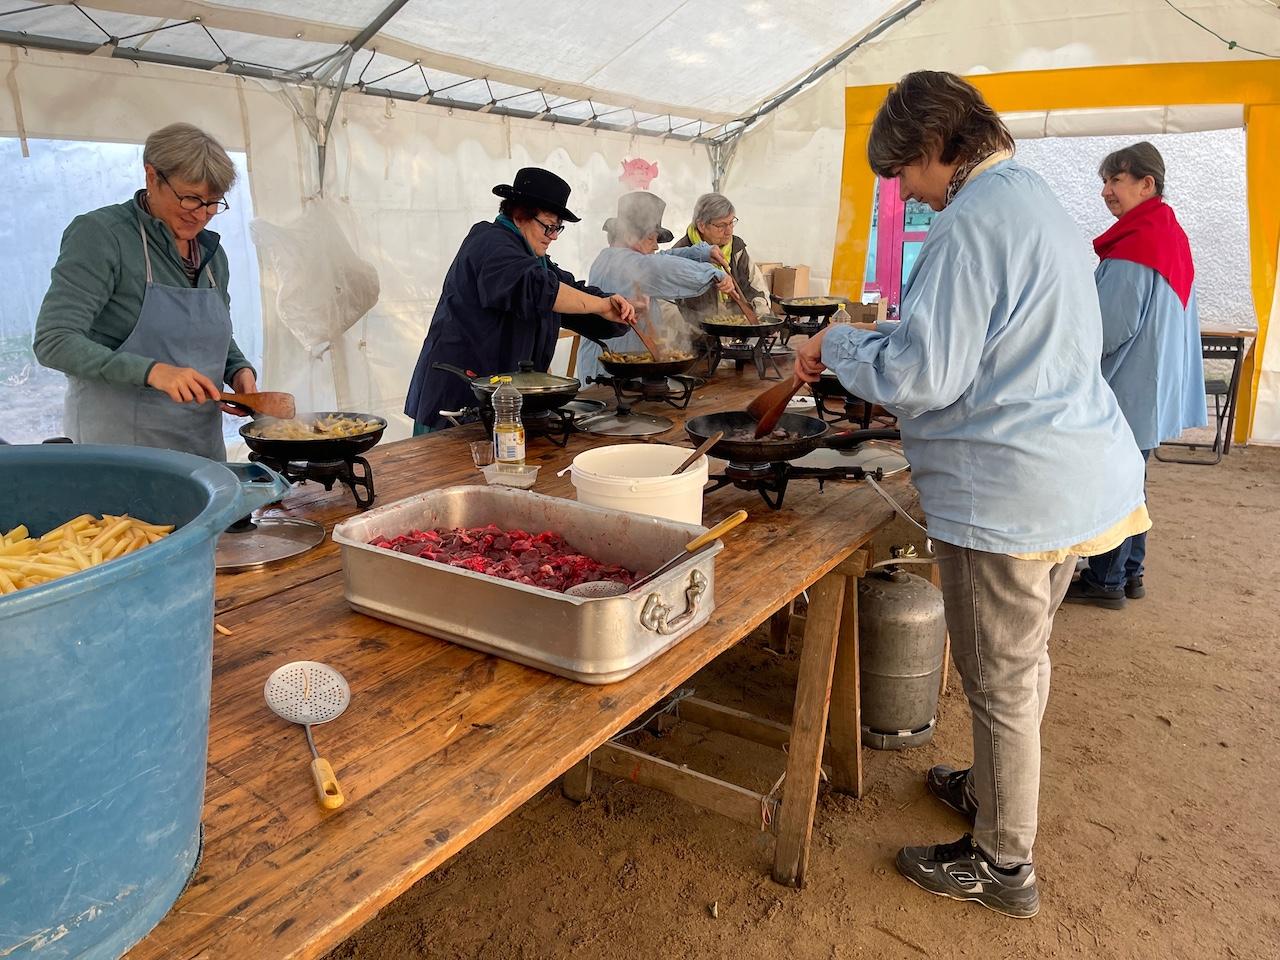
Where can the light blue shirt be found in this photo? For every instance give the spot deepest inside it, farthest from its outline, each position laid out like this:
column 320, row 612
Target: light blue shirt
column 1151, row 352
column 668, row 275
column 1016, row 442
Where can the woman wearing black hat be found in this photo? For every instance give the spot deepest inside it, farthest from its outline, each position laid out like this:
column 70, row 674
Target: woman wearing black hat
column 504, row 300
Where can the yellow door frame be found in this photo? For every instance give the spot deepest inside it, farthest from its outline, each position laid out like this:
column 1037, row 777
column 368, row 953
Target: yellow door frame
column 1255, row 85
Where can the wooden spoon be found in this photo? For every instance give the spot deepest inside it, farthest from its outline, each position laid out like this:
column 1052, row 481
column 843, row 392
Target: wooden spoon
column 767, row 409
column 702, row 448
column 278, row 405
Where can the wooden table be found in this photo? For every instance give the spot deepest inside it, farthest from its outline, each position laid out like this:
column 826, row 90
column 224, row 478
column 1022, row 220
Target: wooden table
column 440, row 742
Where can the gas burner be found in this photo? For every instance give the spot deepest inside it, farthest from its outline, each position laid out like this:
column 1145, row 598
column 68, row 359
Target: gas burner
column 804, row 326
column 554, row 425
column 355, row 473
column 760, row 351
column 869, row 459
column 674, row 391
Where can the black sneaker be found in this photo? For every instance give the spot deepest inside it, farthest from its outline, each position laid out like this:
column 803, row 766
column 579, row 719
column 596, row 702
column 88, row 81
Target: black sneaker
column 1082, row 591
column 1133, row 588
column 951, row 787
column 962, row 872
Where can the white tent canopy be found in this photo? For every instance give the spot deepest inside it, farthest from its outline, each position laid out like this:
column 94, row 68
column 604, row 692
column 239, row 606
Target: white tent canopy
column 447, row 99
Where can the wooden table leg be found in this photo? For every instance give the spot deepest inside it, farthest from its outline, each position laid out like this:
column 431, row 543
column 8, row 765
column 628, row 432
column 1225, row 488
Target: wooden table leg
column 845, row 724
column 576, row 783
column 808, row 730
column 780, row 629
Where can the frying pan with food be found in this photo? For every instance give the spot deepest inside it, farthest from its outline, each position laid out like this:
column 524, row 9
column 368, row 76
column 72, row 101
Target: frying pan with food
column 287, row 440
column 795, row 435
column 648, row 368
column 722, row 327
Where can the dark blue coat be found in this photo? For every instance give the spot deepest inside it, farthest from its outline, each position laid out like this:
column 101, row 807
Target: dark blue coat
column 494, row 311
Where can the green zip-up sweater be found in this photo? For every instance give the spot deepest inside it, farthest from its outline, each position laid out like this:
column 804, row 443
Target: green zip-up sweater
column 95, row 296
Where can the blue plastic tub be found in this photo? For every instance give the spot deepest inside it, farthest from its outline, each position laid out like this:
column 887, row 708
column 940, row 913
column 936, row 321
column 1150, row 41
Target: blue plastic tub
column 104, row 697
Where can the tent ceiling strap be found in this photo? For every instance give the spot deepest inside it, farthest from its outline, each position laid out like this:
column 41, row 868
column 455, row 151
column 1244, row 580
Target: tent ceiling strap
column 283, row 26
column 12, row 81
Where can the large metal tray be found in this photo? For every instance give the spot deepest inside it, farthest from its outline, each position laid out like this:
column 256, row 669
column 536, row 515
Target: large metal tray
column 590, row 640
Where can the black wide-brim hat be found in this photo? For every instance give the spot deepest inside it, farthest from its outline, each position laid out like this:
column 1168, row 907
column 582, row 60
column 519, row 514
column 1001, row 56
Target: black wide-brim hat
column 540, row 188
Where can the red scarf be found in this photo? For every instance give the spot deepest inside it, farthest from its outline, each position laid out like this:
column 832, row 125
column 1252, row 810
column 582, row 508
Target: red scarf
column 1149, row 234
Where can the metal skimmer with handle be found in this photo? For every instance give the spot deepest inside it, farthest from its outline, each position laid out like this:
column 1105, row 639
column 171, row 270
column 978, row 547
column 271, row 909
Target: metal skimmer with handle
column 308, row 693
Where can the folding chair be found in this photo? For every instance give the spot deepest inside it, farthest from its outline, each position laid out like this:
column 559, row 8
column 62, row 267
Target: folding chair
column 1224, row 402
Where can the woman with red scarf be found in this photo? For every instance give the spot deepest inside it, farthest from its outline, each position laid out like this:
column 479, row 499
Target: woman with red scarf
column 1150, row 338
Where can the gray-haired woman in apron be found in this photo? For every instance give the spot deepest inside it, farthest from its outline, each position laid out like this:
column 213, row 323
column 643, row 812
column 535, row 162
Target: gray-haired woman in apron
column 137, row 314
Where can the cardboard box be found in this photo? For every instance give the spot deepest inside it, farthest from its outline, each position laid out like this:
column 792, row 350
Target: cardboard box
column 766, row 270
column 791, row 282
column 868, row 312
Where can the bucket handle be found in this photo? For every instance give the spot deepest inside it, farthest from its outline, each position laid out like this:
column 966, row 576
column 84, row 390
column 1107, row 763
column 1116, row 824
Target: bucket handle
column 259, row 485
column 655, row 613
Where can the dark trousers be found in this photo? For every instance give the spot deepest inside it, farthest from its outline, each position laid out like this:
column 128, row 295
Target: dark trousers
column 1112, row 569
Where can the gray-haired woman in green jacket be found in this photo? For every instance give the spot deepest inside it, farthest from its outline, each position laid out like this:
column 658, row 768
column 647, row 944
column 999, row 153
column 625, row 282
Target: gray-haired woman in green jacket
column 137, row 314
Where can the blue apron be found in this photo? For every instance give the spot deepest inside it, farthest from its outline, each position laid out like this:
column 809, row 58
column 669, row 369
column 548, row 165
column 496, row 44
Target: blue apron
column 182, row 326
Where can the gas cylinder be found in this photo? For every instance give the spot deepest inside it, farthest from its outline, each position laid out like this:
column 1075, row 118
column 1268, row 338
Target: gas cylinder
column 902, row 637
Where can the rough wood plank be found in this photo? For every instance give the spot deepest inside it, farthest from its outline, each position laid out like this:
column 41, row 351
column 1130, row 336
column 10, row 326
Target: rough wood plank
column 718, row 796
column 844, row 746
column 576, row 782
column 780, row 628
column 808, row 730
column 739, row 723
column 439, row 742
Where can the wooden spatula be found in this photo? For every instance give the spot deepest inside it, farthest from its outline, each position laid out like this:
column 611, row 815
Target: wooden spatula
column 741, row 301
column 767, row 409
column 278, row 405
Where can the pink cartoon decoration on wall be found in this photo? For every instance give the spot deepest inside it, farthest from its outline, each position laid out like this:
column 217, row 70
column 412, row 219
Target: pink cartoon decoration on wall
column 638, row 174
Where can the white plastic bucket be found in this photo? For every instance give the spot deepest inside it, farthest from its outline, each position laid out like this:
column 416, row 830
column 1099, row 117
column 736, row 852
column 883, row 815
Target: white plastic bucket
column 636, row 477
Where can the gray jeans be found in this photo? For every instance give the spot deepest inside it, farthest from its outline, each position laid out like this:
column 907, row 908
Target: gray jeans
column 1000, row 613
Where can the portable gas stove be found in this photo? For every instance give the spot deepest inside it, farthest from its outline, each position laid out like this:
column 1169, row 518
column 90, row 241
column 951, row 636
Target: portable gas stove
column 871, row 459
column 762, row 352
column 353, row 472
column 556, row 425
column 674, row 391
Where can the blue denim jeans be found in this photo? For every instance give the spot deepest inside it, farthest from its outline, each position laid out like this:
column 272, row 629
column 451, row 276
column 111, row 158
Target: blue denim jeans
column 1111, row 570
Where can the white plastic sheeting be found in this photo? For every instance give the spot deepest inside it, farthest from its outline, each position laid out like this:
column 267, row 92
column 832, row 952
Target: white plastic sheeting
column 692, row 60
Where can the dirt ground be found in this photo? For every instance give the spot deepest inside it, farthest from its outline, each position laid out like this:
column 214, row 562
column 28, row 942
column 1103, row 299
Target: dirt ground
column 1159, row 836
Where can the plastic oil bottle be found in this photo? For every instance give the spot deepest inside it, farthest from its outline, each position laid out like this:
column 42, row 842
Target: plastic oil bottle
column 508, row 430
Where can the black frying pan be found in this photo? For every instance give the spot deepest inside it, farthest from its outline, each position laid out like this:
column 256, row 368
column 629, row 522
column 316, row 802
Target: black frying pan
column 642, row 369
column 796, row 308
column 319, row 450
column 805, row 435
column 766, row 325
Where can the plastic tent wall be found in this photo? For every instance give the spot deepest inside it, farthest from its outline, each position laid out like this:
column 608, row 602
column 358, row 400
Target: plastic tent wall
column 413, row 176
column 788, row 169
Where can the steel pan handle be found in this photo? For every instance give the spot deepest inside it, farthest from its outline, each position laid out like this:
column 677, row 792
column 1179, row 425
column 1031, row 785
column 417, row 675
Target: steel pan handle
column 655, row 613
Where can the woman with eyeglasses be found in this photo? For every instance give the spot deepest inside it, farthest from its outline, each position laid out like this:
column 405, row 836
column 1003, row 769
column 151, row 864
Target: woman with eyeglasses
column 713, row 222
column 137, row 314
column 504, row 300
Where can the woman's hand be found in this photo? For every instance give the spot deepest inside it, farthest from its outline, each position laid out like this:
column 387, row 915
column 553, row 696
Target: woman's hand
column 618, row 309
column 725, row 283
column 717, row 257
column 242, row 381
column 809, row 365
column 182, row 384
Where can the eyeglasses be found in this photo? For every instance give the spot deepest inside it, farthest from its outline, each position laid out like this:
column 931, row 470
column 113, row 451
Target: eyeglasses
column 191, row 203
column 552, row 230
column 723, row 224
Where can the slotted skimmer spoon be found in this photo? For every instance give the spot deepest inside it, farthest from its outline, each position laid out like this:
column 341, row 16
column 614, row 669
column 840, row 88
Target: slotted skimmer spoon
column 308, row 693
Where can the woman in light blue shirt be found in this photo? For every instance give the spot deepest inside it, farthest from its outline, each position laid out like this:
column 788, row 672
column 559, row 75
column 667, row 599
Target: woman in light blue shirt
column 1016, row 443
column 1151, row 352
column 629, row 267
